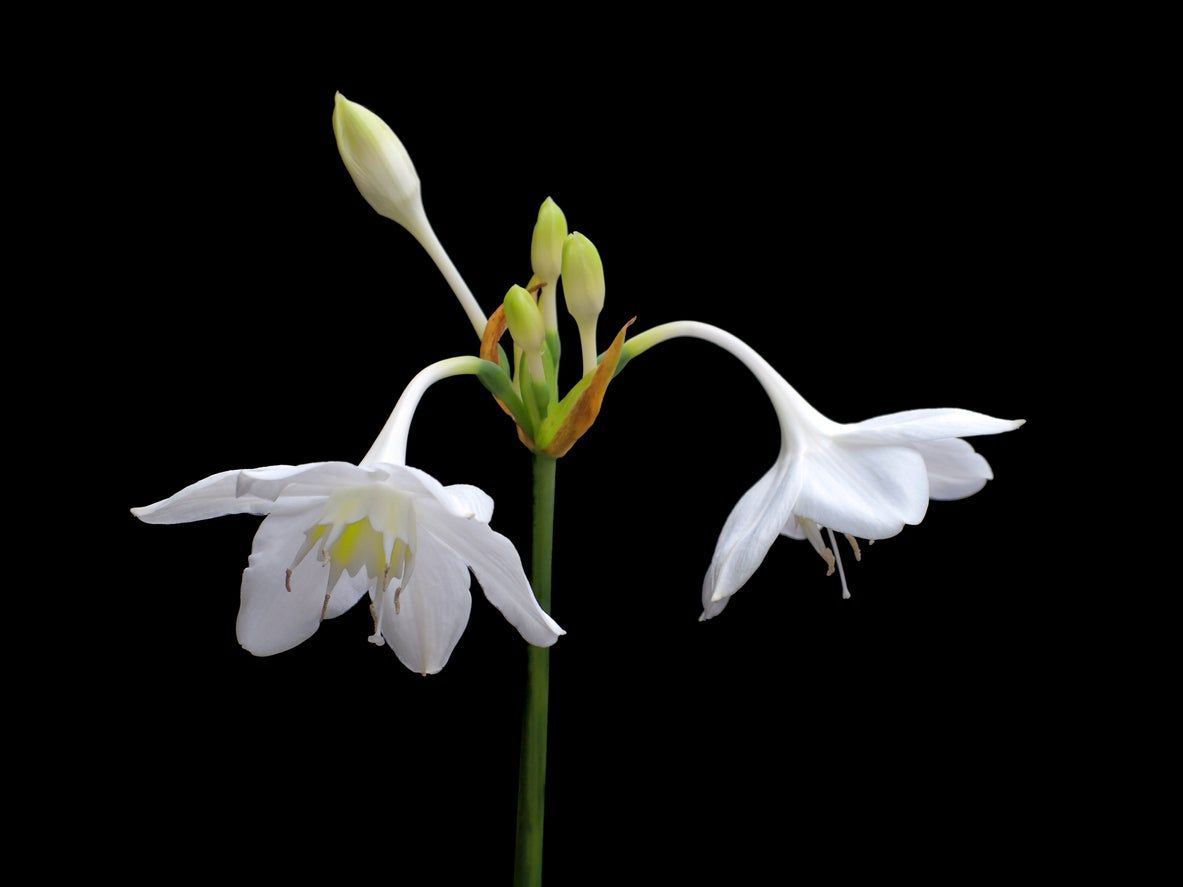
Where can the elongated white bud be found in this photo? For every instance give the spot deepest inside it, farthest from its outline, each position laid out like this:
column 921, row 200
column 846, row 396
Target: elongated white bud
column 379, row 165
column 382, row 170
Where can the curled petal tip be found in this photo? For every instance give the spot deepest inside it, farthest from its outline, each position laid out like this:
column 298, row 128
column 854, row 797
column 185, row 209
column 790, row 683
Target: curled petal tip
column 1019, row 423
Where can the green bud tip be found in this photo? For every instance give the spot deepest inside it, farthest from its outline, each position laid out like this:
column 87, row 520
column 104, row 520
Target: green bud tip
column 546, row 249
column 583, row 278
column 524, row 320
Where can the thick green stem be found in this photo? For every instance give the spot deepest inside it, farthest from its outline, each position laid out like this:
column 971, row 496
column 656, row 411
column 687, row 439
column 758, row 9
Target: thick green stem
column 532, row 775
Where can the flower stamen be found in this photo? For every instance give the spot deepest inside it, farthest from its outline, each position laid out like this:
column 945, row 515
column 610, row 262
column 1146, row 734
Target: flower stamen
column 815, row 539
column 858, row 555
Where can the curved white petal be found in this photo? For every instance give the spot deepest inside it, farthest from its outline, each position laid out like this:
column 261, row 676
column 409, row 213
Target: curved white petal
column 793, row 529
column 711, row 609
column 751, row 528
column 917, row 425
column 955, row 470
column 470, row 501
column 310, row 479
column 432, row 611
column 272, row 619
column 867, row 491
column 499, row 570
column 462, row 500
column 215, row 496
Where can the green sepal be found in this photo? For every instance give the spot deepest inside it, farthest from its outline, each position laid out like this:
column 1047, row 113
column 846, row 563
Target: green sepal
column 550, row 366
column 535, row 396
column 559, row 412
column 554, row 348
column 495, row 379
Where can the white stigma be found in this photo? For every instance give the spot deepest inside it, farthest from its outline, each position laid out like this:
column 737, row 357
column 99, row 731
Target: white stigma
column 841, row 572
column 376, row 610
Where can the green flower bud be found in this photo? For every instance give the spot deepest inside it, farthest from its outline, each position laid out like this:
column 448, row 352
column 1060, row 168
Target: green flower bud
column 583, row 279
column 524, row 320
column 546, row 249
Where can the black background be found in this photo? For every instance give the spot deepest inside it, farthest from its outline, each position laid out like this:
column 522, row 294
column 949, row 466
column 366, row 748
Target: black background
column 877, row 226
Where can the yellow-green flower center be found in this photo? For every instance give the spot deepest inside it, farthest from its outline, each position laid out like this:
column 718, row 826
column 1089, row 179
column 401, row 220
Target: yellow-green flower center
column 371, row 527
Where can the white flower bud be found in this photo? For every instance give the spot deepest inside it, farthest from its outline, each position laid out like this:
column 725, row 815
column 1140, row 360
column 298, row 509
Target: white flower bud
column 379, row 165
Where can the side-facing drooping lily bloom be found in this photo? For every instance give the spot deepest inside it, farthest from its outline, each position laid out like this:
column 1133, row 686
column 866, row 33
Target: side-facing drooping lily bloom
column 864, row 479
column 335, row 531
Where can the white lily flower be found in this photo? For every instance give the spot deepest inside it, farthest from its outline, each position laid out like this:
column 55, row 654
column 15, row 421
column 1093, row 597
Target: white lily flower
column 865, row 479
column 335, row 531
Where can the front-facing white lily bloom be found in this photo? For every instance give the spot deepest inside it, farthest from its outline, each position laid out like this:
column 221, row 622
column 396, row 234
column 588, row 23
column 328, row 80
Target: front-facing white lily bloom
column 864, row 480
column 335, row 531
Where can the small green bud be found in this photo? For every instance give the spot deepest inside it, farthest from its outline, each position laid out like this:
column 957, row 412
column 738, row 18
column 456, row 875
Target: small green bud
column 583, row 279
column 524, row 320
column 546, row 249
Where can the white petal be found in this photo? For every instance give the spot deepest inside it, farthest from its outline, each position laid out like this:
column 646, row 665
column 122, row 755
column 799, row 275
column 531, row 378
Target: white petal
column 498, row 568
column 310, row 479
column 348, row 592
column 419, row 482
column 751, row 528
column 867, row 491
column 793, row 529
column 711, row 609
column 214, row 496
column 462, row 500
column 432, row 611
column 955, row 470
column 914, row 425
column 470, row 501
column 271, row 618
